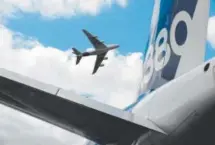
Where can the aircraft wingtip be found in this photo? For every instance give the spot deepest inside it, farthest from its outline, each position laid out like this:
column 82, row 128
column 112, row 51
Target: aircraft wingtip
column 93, row 72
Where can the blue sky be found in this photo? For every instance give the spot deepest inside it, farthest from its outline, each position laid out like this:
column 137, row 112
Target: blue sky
column 128, row 27
column 210, row 50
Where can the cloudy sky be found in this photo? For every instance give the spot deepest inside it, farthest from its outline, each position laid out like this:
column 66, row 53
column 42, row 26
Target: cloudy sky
column 36, row 37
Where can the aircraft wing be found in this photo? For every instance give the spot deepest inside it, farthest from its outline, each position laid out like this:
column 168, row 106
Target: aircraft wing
column 95, row 121
column 99, row 59
column 94, row 40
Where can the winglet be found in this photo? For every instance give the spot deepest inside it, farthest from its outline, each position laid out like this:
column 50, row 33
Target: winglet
column 85, row 31
column 93, row 72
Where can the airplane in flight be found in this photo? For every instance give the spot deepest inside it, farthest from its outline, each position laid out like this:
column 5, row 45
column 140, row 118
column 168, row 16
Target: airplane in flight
column 176, row 103
column 100, row 51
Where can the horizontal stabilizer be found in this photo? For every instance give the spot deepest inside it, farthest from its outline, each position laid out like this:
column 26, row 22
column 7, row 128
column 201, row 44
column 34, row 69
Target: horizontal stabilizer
column 78, row 59
column 75, row 51
column 78, row 54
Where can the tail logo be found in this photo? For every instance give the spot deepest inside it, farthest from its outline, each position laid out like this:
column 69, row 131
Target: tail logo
column 171, row 37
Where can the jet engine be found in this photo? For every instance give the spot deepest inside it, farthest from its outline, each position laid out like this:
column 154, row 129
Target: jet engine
column 102, row 65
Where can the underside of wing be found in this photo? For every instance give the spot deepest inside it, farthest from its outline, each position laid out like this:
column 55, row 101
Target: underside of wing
column 99, row 59
column 94, row 40
column 98, row 122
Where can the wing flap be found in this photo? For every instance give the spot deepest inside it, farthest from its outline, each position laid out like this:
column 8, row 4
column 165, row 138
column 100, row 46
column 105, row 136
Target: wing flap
column 85, row 117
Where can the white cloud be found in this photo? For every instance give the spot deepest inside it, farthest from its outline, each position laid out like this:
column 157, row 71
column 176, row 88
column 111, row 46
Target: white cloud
column 53, row 66
column 20, row 129
column 24, row 55
column 211, row 31
column 118, row 80
column 56, row 8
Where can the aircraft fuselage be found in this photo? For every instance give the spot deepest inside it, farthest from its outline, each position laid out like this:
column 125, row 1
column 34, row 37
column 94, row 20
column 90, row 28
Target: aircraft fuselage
column 100, row 51
column 184, row 109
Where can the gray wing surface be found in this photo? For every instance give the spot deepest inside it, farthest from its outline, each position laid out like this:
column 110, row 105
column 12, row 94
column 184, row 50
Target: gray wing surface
column 99, row 59
column 94, row 41
column 95, row 121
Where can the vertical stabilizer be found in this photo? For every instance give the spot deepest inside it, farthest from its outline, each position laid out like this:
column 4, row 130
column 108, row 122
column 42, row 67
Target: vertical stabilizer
column 177, row 40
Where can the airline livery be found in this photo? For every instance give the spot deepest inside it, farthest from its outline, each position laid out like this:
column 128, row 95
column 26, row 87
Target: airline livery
column 179, row 35
column 176, row 103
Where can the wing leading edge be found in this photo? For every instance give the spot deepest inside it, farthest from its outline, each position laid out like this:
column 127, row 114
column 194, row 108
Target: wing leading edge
column 94, row 40
column 85, row 117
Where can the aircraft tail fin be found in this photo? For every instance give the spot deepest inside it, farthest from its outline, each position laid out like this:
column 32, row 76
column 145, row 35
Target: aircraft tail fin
column 176, row 43
column 177, row 40
column 78, row 54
